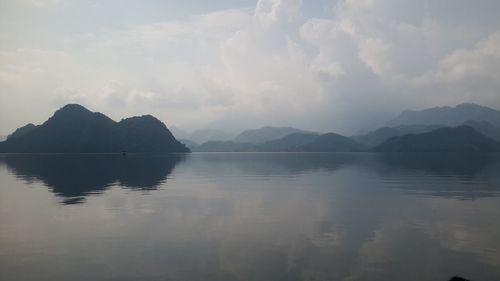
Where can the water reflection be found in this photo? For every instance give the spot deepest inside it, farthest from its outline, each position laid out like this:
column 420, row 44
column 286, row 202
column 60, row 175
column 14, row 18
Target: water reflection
column 255, row 217
column 273, row 164
column 336, row 217
column 462, row 176
column 464, row 165
column 75, row 176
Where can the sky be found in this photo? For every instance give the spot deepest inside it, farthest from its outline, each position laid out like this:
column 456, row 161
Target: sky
column 343, row 66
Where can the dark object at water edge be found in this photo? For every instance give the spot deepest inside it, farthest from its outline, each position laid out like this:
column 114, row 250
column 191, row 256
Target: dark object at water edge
column 456, row 278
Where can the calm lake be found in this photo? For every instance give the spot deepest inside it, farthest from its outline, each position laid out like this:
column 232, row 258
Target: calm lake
column 357, row 216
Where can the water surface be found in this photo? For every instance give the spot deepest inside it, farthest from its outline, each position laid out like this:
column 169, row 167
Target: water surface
column 232, row 216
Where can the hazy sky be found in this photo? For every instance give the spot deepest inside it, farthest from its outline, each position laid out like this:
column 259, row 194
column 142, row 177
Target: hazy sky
column 321, row 65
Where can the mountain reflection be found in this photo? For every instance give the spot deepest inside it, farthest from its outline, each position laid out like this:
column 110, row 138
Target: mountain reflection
column 456, row 175
column 275, row 164
column 352, row 216
column 459, row 164
column 75, row 176
column 467, row 165
column 461, row 176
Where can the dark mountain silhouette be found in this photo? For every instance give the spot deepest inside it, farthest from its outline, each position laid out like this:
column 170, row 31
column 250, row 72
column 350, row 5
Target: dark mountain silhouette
column 330, row 142
column 74, row 177
column 485, row 128
column 266, row 134
column 456, row 139
column 75, row 129
column 381, row 135
column 458, row 278
column 223, row 146
column 22, row 131
column 449, row 116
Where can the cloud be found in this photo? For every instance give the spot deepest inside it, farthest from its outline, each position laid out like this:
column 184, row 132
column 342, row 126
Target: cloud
column 269, row 64
column 480, row 61
column 117, row 95
column 468, row 74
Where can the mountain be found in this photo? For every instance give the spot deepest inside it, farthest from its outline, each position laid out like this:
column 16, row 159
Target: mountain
column 381, row 135
column 189, row 144
column 266, row 134
column 223, row 146
column 75, row 129
column 330, row 142
column 456, row 139
column 485, row 128
column 449, row 116
column 22, row 131
column 296, row 142
column 287, row 143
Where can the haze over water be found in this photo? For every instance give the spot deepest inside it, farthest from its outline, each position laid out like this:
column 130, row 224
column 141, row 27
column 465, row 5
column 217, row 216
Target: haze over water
column 250, row 217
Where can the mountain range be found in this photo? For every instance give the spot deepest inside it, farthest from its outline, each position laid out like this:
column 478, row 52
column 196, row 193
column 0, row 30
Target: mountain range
column 266, row 134
column 381, row 135
column 75, row 129
column 447, row 116
column 285, row 139
column 295, row 142
column 248, row 140
column 449, row 139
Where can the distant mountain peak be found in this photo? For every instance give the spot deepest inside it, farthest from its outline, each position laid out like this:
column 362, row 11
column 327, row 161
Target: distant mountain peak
column 331, row 142
column 446, row 115
column 469, row 105
column 267, row 133
column 456, row 139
